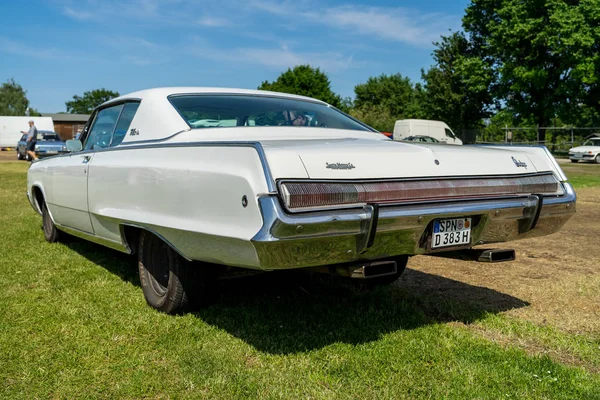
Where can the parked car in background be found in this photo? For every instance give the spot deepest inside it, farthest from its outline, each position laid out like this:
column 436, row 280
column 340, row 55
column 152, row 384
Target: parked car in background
column 48, row 144
column 421, row 139
column 589, row 151
column 199, row 182
column 22, row 148
column 404, row 128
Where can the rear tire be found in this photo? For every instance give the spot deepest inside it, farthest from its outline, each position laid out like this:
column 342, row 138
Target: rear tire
column 27, row 157
column 169, row 282
column 51, row 234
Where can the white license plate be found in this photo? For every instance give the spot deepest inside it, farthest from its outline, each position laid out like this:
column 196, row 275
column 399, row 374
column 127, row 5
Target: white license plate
column 52, row 152
column 451, row 232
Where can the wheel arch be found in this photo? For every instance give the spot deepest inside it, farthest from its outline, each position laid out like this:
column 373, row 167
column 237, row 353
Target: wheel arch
column 38, row 198
column 130, row 235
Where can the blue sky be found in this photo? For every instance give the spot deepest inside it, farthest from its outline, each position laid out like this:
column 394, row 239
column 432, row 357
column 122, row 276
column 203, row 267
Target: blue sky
column 56, row 49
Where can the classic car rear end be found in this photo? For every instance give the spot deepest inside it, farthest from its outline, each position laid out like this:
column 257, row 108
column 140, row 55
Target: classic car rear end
column 294, row 184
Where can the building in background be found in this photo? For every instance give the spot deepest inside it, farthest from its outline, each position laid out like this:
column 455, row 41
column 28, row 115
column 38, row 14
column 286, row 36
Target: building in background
column 68, row 125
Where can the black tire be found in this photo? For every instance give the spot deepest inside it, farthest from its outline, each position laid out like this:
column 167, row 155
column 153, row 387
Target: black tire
column 51, row 234
column 574, row 161
column 27, row 157
column 597, row 159
column 19, row 156
column 169, row 282
column 401, row 262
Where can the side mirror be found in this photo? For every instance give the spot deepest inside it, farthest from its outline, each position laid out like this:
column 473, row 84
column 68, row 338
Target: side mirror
column 74, row 145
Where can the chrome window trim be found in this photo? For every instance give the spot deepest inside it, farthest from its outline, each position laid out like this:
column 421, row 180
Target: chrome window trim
column 271, row 96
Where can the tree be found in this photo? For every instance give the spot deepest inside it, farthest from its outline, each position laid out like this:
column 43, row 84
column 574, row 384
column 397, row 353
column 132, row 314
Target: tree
column 384, row 99
column 306, row 81
column 456, row 88
column 85, row 104
column 13, row 99
column 545, row 54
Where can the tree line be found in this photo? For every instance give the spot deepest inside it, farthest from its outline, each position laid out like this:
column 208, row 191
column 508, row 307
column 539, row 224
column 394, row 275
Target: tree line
column 514, row 63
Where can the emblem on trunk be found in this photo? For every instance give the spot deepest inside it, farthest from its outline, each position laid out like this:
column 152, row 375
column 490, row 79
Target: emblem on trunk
column 339, row 165
column 519, row 163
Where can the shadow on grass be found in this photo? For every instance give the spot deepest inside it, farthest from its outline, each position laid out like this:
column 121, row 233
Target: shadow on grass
column 294, row 311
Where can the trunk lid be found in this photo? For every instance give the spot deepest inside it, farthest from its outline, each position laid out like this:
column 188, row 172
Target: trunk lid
column 361, row 158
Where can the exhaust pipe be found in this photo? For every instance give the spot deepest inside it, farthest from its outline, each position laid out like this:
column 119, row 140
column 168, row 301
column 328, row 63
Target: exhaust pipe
column 480, row 255
column 497, row 255
column 374, row 270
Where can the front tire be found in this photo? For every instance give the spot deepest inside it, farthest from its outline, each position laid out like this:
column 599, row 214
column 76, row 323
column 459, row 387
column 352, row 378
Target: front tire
column 51, row 234
column 19, row 156
column 168, row 280
column 597, row 159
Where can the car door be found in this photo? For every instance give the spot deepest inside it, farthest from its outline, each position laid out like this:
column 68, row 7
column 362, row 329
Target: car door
column 70, row 175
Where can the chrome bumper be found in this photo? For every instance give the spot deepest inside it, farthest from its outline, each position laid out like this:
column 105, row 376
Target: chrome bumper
column 340, row 236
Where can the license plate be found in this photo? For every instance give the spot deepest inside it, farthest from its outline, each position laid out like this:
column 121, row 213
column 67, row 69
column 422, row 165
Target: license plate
column 451, row 232
column 52, row 152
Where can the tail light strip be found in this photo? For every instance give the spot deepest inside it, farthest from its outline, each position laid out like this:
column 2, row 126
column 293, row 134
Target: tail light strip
column 300, row 196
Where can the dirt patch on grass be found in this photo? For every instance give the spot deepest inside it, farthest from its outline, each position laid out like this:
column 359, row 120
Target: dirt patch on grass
column 558, row 275
column 6, row 156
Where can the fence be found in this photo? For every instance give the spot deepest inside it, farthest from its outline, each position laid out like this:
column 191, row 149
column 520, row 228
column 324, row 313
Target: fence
column 558, row 139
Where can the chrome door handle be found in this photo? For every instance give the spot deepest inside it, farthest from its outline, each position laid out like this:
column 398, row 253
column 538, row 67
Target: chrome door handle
column 86, row 159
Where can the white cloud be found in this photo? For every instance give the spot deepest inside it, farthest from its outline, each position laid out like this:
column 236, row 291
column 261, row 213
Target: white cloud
column 276, row 58
column 25, row 50
column 390, row 23
column 78, row 15
column 214, row 22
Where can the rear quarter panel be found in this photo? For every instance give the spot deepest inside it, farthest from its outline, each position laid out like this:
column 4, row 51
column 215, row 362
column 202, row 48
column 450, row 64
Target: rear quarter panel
column 191, row 195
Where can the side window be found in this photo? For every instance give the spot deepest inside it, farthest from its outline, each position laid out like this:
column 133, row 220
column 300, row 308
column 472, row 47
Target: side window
column 449, row 133
column 124, row 122
column 103, row 127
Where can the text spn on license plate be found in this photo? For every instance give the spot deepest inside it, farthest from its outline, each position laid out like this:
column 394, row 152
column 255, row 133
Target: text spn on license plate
column 451, row 232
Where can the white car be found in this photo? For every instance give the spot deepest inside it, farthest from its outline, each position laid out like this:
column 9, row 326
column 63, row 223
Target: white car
column 294, row 184
column 590, row 151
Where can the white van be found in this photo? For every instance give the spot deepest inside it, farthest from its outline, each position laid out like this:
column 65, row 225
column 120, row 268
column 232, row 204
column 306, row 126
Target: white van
column 11, row 127
column 404, row 128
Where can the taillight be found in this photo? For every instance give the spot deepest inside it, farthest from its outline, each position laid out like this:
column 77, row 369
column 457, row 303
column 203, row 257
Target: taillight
column 299, row 196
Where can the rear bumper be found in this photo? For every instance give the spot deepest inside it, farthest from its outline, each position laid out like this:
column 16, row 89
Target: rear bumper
column 340, row 236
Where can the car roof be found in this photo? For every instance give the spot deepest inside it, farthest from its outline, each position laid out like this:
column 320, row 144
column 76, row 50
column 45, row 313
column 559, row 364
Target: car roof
column 164, row 92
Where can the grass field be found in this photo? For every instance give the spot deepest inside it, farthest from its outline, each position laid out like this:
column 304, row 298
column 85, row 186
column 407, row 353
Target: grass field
column 73, row 324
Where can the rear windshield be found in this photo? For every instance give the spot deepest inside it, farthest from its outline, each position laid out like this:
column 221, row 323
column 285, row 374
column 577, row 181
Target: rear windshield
column 216, row 111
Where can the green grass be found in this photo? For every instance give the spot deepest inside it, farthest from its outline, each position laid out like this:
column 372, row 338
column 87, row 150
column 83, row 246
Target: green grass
column 582, row 175
column 73, row 324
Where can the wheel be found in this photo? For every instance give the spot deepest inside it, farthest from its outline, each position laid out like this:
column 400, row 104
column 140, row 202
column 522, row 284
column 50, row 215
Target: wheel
column 597, row 159
column 401, row 262
column 51, row 234
column 27, row 157
column 19, row 156
column 573, row 161
column 168, row 280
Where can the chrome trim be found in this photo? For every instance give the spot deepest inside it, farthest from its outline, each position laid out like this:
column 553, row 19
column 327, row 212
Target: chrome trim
column 337, row 236
column 152, row 231
column 93, row 238
column 158, row 143
column 287, row 196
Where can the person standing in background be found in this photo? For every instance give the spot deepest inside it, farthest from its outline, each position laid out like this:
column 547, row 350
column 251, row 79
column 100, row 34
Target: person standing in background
column 31, row 140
